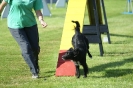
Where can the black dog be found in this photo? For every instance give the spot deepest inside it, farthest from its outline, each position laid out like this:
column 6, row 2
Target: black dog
column 78, row 54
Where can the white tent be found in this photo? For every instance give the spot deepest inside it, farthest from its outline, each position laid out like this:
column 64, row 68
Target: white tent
column 45, row 11
column 5, row 11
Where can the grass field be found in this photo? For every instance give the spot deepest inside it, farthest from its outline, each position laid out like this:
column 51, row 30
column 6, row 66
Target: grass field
column 112, row 70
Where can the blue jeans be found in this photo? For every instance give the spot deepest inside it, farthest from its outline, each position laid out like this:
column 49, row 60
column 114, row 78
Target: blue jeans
column 28, row 40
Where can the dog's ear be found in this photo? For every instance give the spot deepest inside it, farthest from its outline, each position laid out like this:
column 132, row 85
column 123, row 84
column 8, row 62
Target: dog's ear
column 76, row 52
column 71, row 49
column 74, row 27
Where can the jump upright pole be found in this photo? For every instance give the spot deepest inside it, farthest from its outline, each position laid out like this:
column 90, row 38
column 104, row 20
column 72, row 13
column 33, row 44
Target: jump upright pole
column 129, row 7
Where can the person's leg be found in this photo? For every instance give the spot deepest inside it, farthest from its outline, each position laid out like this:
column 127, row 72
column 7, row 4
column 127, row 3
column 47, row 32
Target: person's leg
column 33, row 37
column 22, row 40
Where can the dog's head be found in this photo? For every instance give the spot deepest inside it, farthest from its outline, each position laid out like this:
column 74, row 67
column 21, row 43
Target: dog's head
column 70, row 54
column 77, row 28
column 77, row 23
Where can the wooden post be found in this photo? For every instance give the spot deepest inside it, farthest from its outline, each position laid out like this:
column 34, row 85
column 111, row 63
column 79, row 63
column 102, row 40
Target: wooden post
column 91, row 12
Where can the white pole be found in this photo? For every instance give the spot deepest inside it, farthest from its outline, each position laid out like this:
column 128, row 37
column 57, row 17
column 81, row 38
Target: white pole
column 128, row 5
column 60, row 3
column 131, row 6
column 51, row 2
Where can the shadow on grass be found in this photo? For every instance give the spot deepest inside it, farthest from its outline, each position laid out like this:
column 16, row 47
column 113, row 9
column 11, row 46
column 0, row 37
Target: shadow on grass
column 47, row 75
column 128, row 36
column 118, row 53
column 113, row 72
column 118, row 72
column 120, row 41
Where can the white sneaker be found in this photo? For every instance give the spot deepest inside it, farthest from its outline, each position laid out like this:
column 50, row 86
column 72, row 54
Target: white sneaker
column 35, row 76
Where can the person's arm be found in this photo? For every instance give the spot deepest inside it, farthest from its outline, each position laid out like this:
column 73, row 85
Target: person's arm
column 2, row 5
column 40, row 18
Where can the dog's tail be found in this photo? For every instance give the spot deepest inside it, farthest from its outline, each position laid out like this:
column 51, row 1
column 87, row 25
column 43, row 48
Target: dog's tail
column 77, row 23
column 89, row 54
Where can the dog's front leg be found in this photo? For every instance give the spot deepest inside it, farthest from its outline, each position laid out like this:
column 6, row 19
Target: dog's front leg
column 77, row 69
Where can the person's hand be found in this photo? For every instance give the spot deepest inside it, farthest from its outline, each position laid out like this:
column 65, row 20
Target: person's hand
column 44, row 24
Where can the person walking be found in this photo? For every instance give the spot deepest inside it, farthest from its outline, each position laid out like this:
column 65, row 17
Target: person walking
column 23, row 27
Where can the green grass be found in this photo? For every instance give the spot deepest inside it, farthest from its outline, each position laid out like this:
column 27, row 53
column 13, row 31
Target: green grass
column 113, row 70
